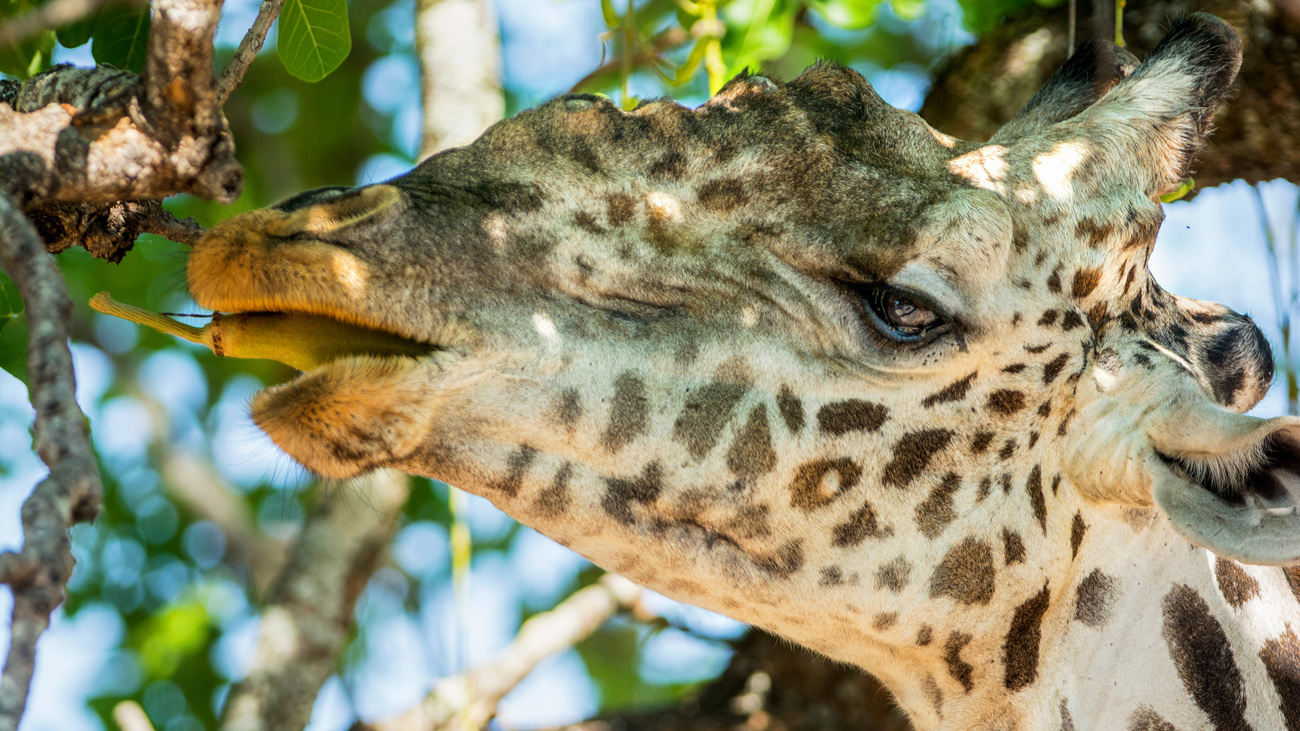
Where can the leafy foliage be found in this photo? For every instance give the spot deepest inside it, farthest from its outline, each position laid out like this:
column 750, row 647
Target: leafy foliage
column 314, row 37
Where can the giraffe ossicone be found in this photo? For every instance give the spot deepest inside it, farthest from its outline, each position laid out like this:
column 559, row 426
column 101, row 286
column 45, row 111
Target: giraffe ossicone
column 794, row 356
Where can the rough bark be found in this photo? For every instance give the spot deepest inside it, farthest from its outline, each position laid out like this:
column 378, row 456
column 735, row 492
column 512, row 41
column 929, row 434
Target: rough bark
column 1258, row 135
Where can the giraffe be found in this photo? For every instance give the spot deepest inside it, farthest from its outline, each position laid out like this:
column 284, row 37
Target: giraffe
column 796, row 357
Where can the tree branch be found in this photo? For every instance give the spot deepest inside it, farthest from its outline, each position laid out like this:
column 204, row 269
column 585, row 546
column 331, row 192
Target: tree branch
column 105, row 135
column 233, row 75
column 71, row 493
column 308, row 615
column 466, row 702
column 460, row 71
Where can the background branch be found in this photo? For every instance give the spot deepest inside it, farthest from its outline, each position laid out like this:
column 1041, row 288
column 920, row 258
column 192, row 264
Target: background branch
column 50, row 15
column 308, row 615
column 71, row 493
column 466, row 702
column 233, row 75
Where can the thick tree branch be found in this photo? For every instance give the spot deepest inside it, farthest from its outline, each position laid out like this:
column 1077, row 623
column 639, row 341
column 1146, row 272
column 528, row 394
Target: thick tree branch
column 1258, row 135
column 71, row 492
column 308, row 615
column 233, row 75
column 104, row 135
column 468, row 701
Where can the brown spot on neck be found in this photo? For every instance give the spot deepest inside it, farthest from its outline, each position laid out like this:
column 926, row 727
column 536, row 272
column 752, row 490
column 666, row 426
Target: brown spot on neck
column 1020, row 649
column 912, row 453
column 965, row 574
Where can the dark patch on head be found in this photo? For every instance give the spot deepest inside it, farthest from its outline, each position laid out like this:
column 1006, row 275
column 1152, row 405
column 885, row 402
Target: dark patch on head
column 1054, row 281
column 751, row 454
column 965, row 574
column 1223, row 365
column 629, row 412
column 672, row 166
column 1064, row 428
column 569, row 409
column 1056, row 483
column 1048, row 318
column 954, row 391
column 1034, row 487
column 1281, row 658
column 620, row 208
column 1020, row 649
column 516, row 469
column 508, row 198
column 554, row 500
column 924, row 636
column 620, row 492
column 912, row 453
column 1145, row 719
column 1203, row 656
column 1013, row 547
column 791, row 409
column 958, row 668
column 1005, row 479
column 831, row 576
column 861, row 525
column 785, row 561
column 722, row 195
column 985, row 486
column 1097, row 315
column 1006, row 402
column 1077, row 529
column 1033, row 439
column 1008, row 449
column 700, row 423
column 884, row 621
column 1067, row 723
column 1095, row 231
column 933, row 693
column 894, row 575
column 587, row 223
column 1094, row 599
column 1237, row 586
column 980, row 442
column 1053, row 368
column 806, row 489
column 1071, row 321
column 849, row 415
column 1014, row 368
column 1036, row 349
column 935, row 512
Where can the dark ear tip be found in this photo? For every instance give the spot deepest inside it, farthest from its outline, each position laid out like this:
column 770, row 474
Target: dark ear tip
column 1203, row 39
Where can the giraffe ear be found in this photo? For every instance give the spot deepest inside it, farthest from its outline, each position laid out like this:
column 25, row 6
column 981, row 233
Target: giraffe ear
column 1147, row 130
column 1093, row 70
column 1231, row 483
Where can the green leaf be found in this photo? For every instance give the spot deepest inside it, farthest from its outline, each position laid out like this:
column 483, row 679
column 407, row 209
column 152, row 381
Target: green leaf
column 13, row 346
column 76, row 33
column 29, row 56
column 1182, row 190
column 121, row 37
column 313, row 38
column 849, row 14
column 908, row 9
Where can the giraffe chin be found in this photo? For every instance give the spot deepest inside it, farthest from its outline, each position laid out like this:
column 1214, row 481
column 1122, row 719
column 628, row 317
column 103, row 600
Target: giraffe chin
column 354, row 414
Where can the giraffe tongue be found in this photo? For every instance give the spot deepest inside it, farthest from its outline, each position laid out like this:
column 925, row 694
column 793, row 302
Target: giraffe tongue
column 300, row 340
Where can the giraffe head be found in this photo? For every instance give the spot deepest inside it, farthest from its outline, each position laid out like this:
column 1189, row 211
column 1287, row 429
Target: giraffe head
column 795, row 343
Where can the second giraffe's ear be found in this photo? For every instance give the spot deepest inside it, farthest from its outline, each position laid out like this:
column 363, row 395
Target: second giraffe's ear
column 1230, row 482
column 1093, row 70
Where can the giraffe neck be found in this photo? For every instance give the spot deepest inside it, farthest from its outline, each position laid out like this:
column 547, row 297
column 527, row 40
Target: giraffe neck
column 1142, row 631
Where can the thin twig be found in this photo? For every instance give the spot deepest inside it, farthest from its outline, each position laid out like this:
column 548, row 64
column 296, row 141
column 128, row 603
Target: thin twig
column 233, row 75
column 71, row 493
column 468, row 701
column 50, row 15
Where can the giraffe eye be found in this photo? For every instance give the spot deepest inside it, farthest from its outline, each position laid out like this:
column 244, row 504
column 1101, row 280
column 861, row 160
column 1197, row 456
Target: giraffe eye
column 902, row 315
